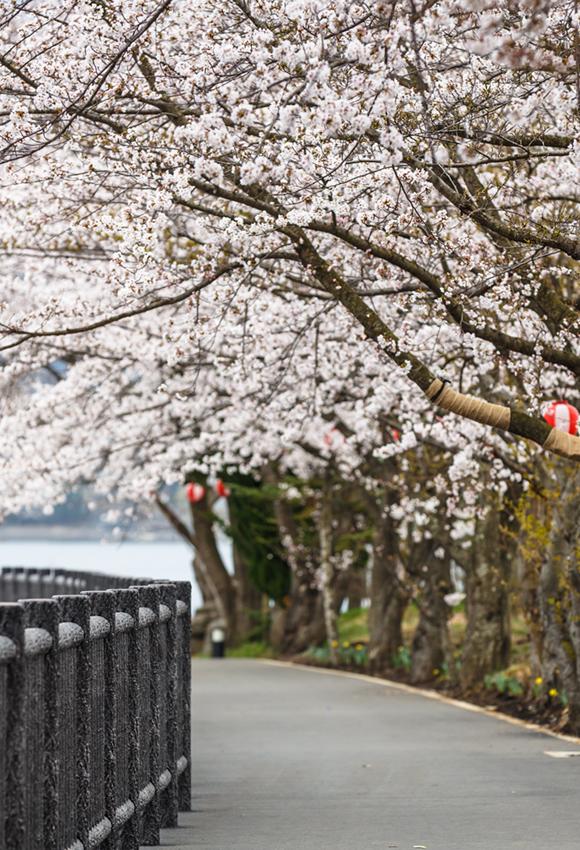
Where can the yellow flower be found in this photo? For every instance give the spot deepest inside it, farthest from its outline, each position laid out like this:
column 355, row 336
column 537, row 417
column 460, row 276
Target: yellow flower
column 334, row 643
column 346, row 644
column 359, row 646
column 538, row 680
column 553, row 692
column 436, row 671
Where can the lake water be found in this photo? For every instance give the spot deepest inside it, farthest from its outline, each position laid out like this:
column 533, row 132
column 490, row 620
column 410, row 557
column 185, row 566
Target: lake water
column 156, row 560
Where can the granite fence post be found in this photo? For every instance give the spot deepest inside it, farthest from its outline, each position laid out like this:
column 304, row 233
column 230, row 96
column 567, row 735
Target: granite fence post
column 184, row 690
column 8, row 590
column 46, row 587
column 128, row 604
column 77, row 609
column 168, row 698
column 149, row 708
column 26, row 581
column 45, row 614
column 103, row 604
column 12, row 830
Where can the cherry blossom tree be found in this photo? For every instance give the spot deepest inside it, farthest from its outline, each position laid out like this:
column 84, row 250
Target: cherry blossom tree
column 411, row 168
column 231, row 229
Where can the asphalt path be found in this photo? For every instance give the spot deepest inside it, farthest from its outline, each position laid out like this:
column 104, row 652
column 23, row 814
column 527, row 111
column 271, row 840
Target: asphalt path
column 293, row 759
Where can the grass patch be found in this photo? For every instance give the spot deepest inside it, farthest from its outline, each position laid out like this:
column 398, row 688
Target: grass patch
column 410, row 620
column 353, row 625
column 253, row 649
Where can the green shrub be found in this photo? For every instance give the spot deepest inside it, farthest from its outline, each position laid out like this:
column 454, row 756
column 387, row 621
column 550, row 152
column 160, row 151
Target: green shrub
column 503, row 684
column 351, row 654
column 319, row 653
column 403, row 659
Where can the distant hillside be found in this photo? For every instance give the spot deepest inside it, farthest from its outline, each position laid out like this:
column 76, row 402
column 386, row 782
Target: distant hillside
column 75, row 511
column 85, row 516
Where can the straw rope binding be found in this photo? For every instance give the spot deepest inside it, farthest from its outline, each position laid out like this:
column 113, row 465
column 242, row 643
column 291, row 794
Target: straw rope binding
column 496, row 415
column 469, row 407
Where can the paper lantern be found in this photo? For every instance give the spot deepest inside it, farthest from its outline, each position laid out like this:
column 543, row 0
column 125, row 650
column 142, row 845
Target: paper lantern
column 333, row 437
column 329, row 437
column 561, row 415
column 195, row 493
column 221, row 488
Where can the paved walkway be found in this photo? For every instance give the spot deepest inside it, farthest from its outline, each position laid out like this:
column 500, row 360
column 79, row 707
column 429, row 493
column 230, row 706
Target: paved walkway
column 288, row 759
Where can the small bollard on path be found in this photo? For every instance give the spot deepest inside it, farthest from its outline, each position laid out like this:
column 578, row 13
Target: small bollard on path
column 218, row 643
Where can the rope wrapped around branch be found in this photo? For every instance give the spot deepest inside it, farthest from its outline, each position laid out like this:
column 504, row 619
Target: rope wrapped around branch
column 469, row 407
column 496, row 415
column 561, row 443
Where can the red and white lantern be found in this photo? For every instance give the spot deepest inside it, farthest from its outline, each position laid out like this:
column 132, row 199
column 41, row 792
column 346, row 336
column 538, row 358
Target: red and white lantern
column 333, row 437
column 194, row 493
column 221, row 488
column 561, row 415
column 329, row 437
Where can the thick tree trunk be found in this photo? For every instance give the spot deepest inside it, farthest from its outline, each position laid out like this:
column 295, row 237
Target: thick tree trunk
column 487, row 640
column 248, row 599
column 216, row 585
column 328, row 573
column 302, row 623
column 431, row 647
column 201, row 580
column 340, row 588
column 527, row 570
column 278, row 618
column 356, row 588
column 388, row 599
column 559, row 592
column 217, row 576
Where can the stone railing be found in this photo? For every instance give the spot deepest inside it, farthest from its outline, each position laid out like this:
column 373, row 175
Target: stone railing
column 95, row 691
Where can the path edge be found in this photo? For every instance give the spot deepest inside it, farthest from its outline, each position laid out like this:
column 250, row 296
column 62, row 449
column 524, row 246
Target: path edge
column 423, row 692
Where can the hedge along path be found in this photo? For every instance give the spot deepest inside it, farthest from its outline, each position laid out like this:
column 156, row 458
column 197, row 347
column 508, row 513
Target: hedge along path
column 433, row 695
